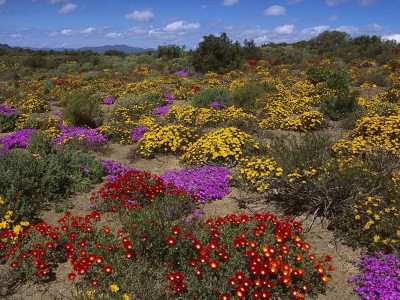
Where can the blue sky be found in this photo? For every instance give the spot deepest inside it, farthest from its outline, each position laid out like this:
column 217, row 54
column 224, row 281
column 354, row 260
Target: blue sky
column 80, row 23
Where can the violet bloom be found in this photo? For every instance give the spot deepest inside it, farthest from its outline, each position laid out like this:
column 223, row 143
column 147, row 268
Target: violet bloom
column 108, row 100
column 19, row 139
column 81, row 135
column 6, row 110
column 115, row 169
column 204, row 182
column 169, row 97
column 162, row 110
column 380, row 277
column 217, row 105
column 182, row 73
column 138, row 133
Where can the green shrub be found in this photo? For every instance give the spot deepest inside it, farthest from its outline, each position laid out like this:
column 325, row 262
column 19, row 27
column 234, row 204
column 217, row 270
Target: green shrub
column 317, row 74
column 337, row 107
column 44, row 175
column 81, row 110
column 204, row 98
column 249, row 96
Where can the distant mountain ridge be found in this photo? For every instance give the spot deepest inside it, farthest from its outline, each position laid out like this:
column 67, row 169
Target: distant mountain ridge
column 97, row 49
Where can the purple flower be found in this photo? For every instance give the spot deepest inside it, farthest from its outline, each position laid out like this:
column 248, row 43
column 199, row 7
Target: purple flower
column 169, row 97
column 217, row 105
column 161, row 110
column 182, row 73
column 19, row 139
column 380, row 277
column 205, row 182
column 114, row 169
column 108, row 100
column 51, row 103
column 6, row 110
column 138, row 133
column 81, row 135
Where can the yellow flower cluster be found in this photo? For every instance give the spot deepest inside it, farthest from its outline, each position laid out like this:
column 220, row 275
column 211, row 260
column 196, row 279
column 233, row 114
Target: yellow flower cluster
column 379, row 132
column 6, row 221
column 308, row 121
column 50, row 125
column 258, row 172
column 174, row 138
column 381, row 217
column 222, row 146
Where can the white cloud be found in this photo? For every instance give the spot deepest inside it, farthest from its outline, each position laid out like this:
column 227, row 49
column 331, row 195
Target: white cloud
column 67, row 8
column 206, row 6
column 295, row 1
column 229, row 2
column 274, row 10
column 334, row 2
column 313, row 31
column 70, row 32
column 52, row 1
column 181, row 25
column 389, row 37
column 142, row 16
column 370, row 29
column 285, row 29
column 114, row 35
column 368, row 2
column 2, row 2
column 332, row 18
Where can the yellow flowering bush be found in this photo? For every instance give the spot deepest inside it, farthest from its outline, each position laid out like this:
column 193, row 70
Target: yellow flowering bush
column 379, row 131
column 50, row 125
column 257, row 173
column 312, row 120
column 227, row 145
column 165, row 139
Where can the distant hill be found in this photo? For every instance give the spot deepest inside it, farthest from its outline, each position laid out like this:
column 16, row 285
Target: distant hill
column 5, row 46
column 123, row 48
column 99, row 49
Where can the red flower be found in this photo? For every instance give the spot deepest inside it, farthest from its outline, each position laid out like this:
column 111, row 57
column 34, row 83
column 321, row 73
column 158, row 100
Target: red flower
column 199, row 272
column 108, row 269
column 171, row 240
column 224, row 296
column 240, row 276
column 256, row 294
column 94, row 282
column 213, row 264
column 128, row 255
column 13, row 264
column 232, row 281
column 71, row 276
column 176, row 230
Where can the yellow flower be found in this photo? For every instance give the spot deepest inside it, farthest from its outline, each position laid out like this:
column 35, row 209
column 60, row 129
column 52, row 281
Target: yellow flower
column 114, row 288
column 357, row 217
column 126, row 297
column 376, row 238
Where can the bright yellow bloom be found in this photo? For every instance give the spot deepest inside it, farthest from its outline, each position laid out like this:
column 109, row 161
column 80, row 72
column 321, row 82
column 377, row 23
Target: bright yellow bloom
column 114, row 288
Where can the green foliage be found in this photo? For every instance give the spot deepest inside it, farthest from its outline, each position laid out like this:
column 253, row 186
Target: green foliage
column 304, row 151
column 339, row 106
column 8, row 122
column 205, row 97
column 46, row 175
column 217, row 54
column 114, row 53
column 81, row 110
column 317, row 74
column 249, row 96
column 329, row 42
column 169, row 51
column 339, row 80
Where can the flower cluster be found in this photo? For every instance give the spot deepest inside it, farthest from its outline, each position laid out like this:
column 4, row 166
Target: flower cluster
column 227, row 145
column 274, row 260
column 114, row 169
column 307, row 121
column 166, row 139
column 108, row 101
column 258, row 172
column 162, row 110
column 81, row 136
column 379, row 278
column 19, row 139
column 138, row 133
column 204, row 183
